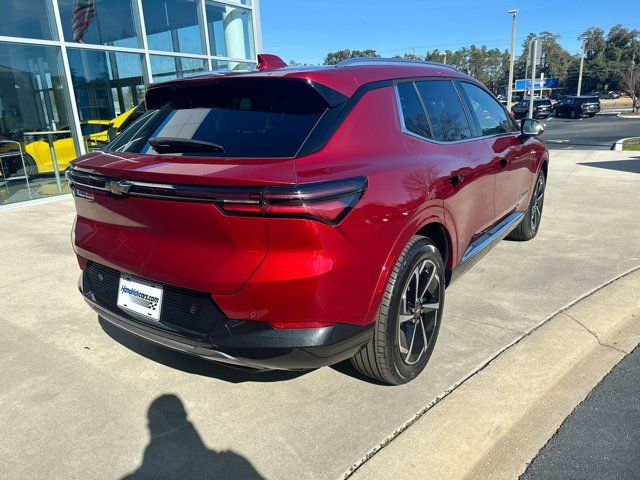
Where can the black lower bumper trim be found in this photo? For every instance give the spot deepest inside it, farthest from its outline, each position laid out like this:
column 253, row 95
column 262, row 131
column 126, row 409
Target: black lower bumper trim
column 250, row 344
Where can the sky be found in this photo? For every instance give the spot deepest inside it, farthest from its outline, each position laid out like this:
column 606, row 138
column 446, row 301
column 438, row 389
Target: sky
column 305, row 30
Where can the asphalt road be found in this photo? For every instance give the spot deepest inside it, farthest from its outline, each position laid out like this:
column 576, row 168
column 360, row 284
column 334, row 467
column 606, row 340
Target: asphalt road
column 80, row 399
column 601, row 438
column 597, row 133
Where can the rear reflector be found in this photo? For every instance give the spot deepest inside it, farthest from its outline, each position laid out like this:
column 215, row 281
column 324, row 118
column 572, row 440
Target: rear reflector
column 327, row 202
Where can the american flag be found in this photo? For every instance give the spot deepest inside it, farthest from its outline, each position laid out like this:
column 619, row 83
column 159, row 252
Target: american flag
column 83, row 12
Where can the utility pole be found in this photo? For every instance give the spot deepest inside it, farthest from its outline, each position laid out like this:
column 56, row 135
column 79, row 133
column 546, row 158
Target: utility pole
column 445, row 58
column 581, row 67
column 512, row 59
column 535, row 47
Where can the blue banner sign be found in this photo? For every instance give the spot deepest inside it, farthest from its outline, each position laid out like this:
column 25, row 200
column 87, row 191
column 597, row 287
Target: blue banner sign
column 522, row 84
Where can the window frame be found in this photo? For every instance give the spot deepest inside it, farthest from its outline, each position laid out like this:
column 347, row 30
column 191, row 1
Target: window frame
column 466, row 106
column 413, row 80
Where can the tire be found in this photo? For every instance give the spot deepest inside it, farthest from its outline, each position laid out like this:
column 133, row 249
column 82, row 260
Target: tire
column 391, row 357
column 30, row 163
column 528, row 227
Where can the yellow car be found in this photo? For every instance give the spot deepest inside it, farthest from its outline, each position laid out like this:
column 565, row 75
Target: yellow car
column 95, row 133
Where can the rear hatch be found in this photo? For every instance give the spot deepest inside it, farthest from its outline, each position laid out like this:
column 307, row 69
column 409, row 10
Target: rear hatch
column 591, row 105
column 150, row 204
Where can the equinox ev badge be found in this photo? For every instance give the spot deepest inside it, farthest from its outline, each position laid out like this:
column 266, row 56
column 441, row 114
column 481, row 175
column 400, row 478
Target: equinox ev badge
column 118, row 188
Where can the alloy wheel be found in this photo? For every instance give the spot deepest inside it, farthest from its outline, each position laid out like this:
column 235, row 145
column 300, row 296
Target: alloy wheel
column 536, row 203
column 418, row 313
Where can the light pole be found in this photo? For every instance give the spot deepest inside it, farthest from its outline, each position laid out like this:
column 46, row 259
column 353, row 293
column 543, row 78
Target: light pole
column 513, row 54
column 535, row 51
column 581, row 67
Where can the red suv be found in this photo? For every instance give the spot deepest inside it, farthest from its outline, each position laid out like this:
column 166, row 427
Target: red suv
column 290, row 218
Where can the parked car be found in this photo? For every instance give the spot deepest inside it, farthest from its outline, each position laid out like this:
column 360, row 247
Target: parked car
column 541, row 108
column 609, row 95
column 577, row 107
column 95, row 133
column 294, row 218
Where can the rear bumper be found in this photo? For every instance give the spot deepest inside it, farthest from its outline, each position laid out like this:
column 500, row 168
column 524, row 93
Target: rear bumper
column 246, row 343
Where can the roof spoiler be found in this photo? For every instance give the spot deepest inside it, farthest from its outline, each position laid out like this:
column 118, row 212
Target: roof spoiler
column 185, row 93
column 266, row 61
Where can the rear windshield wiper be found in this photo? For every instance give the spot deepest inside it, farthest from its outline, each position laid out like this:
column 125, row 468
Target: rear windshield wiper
column 180, row 145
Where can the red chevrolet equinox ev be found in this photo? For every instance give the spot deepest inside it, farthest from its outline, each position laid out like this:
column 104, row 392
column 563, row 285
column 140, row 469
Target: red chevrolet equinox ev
column 292, row 218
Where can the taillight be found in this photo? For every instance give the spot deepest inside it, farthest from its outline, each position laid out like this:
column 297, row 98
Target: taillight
column 327, row 202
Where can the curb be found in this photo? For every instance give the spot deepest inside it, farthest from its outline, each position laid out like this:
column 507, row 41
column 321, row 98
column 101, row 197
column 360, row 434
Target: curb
column 618, row 145
column 497, row 419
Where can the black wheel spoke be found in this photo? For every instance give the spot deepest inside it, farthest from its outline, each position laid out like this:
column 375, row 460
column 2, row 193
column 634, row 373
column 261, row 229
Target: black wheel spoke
column 418, row 312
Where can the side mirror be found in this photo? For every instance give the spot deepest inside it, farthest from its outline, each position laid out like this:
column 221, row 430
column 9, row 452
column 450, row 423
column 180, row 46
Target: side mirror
column 531, row 127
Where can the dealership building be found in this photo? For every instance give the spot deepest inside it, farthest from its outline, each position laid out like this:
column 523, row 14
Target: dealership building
column 73, row 71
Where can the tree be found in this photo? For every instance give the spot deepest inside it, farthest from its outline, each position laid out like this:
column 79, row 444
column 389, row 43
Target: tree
column 333, row 58
column 631, row 84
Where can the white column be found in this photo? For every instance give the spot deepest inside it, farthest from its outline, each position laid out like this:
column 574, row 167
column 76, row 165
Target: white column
column 234, row 34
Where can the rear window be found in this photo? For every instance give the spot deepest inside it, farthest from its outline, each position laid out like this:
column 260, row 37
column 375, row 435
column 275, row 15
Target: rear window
column 543, row 102
column 246, row 117
column 590, row 100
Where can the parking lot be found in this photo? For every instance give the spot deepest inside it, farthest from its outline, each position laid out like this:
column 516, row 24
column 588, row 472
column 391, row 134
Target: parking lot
column 83, row 400
column 597, row 133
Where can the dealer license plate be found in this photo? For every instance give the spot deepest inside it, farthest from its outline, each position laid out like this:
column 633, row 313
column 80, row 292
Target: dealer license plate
column 140, row 297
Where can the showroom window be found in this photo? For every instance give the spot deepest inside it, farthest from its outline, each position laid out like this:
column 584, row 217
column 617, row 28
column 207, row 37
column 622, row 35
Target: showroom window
column 230, row 31
column 28, row 19
column 169, row 68
column 35, row 136
column 101, row 22
column 53, row 108
column 107, row 86
column 172, row 25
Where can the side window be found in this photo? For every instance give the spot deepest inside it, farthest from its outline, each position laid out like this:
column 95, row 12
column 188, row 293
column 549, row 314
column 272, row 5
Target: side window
column 413, row 114
column 492, row 118
column 446, row 114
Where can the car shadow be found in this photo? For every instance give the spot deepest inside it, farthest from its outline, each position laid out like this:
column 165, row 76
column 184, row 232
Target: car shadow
column 177, row 451
column 630, row 165
column 345, row 368
column 194, row 365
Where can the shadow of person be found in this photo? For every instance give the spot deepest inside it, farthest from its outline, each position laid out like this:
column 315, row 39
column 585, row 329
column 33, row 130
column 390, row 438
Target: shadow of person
column 176, row 450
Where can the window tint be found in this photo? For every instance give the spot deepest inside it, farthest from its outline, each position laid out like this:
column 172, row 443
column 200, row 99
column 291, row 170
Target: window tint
column 446, row 115
column 248, row 118
column 413, row 114
column 492, row 118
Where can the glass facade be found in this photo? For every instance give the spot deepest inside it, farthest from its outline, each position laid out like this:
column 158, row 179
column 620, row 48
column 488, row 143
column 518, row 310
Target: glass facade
column 73, row 71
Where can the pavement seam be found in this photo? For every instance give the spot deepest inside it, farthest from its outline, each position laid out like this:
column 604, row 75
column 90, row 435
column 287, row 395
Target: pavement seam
column 595, row 335
column 373, row 451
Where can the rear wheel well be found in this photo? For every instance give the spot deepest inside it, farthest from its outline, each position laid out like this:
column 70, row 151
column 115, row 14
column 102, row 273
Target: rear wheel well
column 438, row 235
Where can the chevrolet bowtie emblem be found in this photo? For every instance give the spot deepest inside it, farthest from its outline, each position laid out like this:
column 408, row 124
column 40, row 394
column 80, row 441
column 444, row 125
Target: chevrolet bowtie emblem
column 118, row 188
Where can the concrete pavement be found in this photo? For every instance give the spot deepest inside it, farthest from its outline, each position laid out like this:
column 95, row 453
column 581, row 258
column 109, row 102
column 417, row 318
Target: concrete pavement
column 81, row 400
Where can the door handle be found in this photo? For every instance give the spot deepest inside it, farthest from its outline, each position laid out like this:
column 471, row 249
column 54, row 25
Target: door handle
column 503, row 162
column 456, row 179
